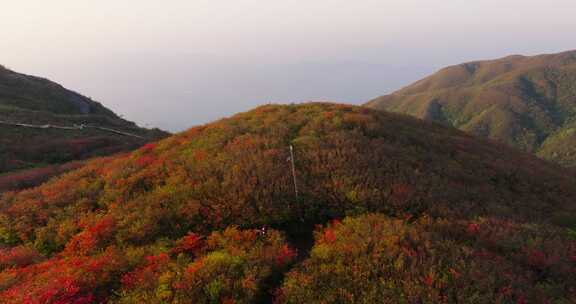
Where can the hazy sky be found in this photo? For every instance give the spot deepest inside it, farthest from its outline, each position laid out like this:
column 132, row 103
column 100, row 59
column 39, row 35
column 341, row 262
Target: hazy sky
column 177, row 63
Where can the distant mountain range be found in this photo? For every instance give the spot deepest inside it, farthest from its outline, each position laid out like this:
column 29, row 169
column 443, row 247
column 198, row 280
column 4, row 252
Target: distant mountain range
column 42, row 123
column 525, row 102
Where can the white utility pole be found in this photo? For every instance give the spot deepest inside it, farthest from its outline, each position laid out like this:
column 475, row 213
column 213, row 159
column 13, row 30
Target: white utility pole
column 293, row 171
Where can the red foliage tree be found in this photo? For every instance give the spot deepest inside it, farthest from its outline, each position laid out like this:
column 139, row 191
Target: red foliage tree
column 191, row 243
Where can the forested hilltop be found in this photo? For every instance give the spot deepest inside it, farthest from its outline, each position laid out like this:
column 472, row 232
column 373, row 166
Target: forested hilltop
column 398, row 210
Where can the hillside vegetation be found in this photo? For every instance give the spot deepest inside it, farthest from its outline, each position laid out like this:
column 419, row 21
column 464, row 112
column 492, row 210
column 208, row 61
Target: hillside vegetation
column 179, row 221
column 36, row 101
column 525, row 102
column 377, row 259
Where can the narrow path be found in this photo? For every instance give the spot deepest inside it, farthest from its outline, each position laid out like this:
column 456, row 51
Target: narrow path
column 75, row 127
column 299, row 236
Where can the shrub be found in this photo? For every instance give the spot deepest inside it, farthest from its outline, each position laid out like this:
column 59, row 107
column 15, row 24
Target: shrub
column 377, row 259
column 230, row 267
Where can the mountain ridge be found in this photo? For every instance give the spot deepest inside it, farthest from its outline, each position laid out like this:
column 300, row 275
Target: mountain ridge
column 206, row 215
column 528, row 102
column 44, row 125
column 40, row 94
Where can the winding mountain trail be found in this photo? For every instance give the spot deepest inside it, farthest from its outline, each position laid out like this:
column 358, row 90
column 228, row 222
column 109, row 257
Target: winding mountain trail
column 75, row 127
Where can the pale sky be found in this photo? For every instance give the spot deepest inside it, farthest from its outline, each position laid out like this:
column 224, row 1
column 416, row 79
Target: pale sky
column 178, row 63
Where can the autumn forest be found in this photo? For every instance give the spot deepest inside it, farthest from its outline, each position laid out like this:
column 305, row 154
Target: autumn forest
column 389, row 209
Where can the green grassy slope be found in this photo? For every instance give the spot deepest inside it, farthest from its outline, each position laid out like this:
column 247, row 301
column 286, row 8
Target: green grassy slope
column 526, row 102
column 174, row 221
column 32, row 100
column 38, row 94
